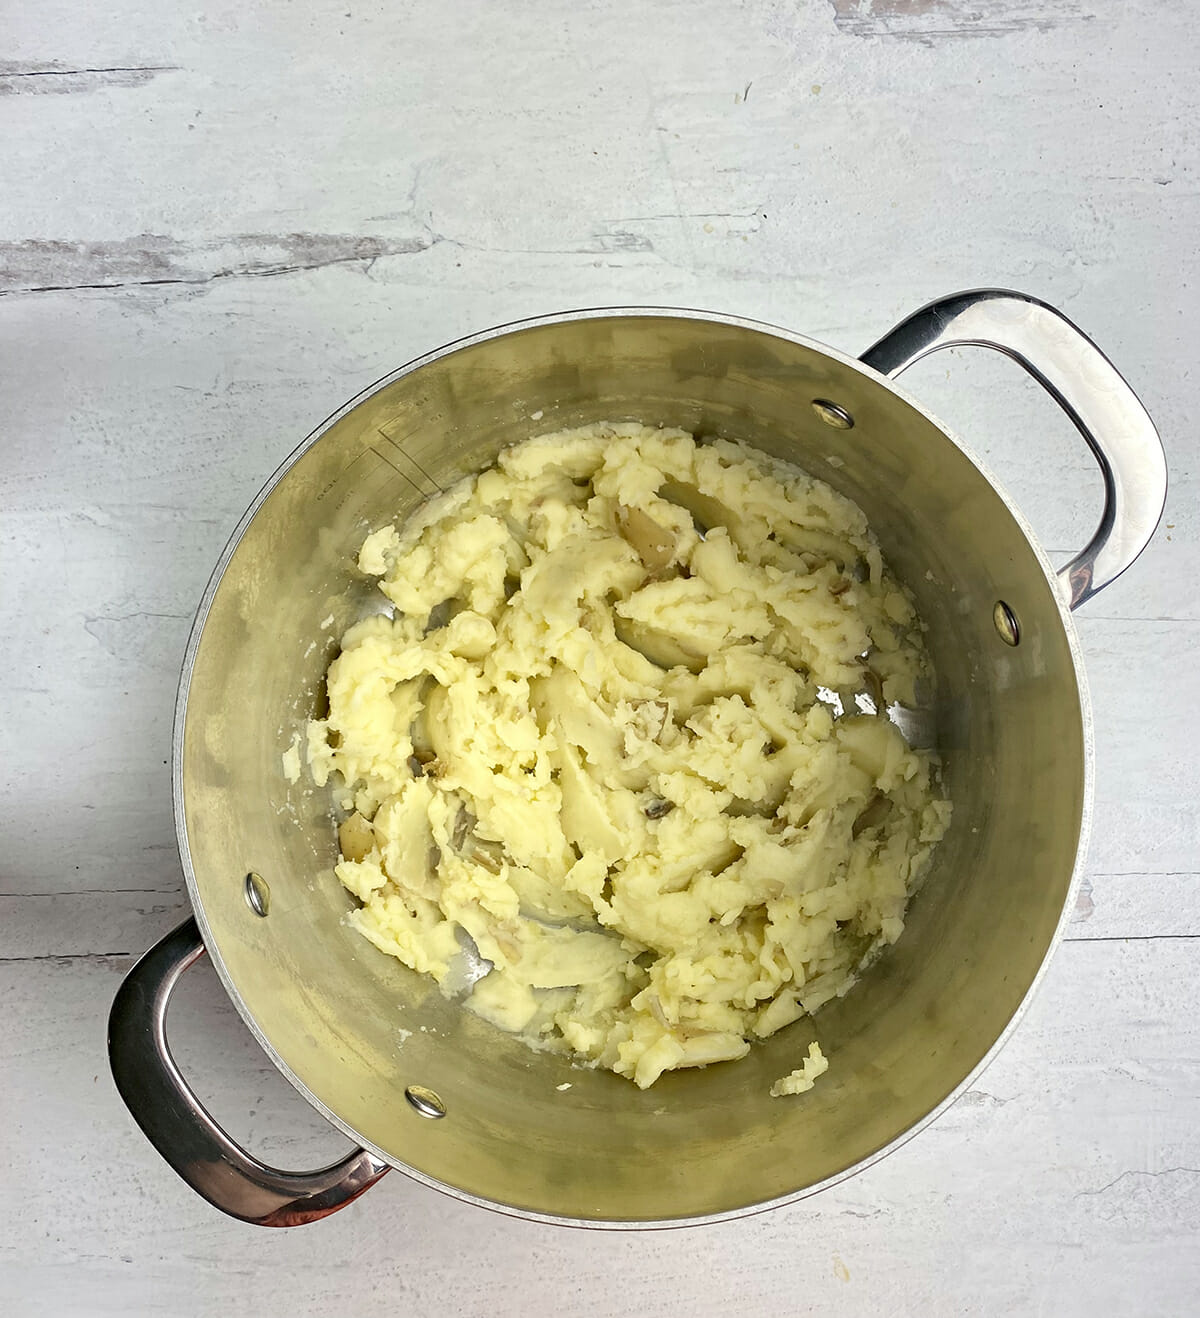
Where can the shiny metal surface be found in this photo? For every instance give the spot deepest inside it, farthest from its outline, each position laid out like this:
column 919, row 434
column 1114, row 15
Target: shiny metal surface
column 832, row 414
column 1007, row 626
column 178, row 1126
column 354, row 1029
column 258, row 894
column 1088, row 387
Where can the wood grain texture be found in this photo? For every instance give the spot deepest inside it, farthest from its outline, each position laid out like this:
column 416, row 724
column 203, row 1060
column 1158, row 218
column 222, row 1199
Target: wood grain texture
column 217, row 223
column 1067, row 1179
column 928, row 21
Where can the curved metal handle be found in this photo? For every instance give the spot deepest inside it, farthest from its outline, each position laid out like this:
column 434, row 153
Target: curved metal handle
column 1085, row 384
column 176, row 1123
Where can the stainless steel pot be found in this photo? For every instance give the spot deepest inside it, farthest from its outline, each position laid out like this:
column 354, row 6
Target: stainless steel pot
column 469, row 1110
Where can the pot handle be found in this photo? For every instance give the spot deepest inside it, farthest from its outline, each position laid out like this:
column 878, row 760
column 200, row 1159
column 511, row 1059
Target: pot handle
column 1085, row 384
column 176, row 1123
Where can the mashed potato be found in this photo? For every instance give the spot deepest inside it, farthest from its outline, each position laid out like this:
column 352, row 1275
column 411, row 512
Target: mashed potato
column 610, row 743
column 804, row 1077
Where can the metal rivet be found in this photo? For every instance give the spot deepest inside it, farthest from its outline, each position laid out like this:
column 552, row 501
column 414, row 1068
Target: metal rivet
column 833, row 414
column 425, row 1101
column 258, row 895
column 1006, row 623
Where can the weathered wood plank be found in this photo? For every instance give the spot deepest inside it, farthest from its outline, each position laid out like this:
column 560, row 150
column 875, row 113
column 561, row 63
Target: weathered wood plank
column 98, row 922
column 124, row 555
column 280, row 204
column 1068, row 1178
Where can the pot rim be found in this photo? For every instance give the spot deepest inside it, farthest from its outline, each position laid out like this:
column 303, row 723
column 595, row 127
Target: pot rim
column 515, row 327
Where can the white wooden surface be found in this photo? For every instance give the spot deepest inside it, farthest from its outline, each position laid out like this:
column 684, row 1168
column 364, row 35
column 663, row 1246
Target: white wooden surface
column 218, row 221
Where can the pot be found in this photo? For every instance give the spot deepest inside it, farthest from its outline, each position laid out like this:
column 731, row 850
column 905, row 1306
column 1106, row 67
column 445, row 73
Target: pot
column 433, row 1090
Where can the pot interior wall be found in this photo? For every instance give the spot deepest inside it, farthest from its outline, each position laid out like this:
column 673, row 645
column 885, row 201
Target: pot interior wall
column 356, row 1027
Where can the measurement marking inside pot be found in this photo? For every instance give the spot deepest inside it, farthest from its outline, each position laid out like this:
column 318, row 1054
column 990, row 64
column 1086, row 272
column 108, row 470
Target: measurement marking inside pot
column 407, row 465
column 402, row 474
column 421, row 469
column 335, row 482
